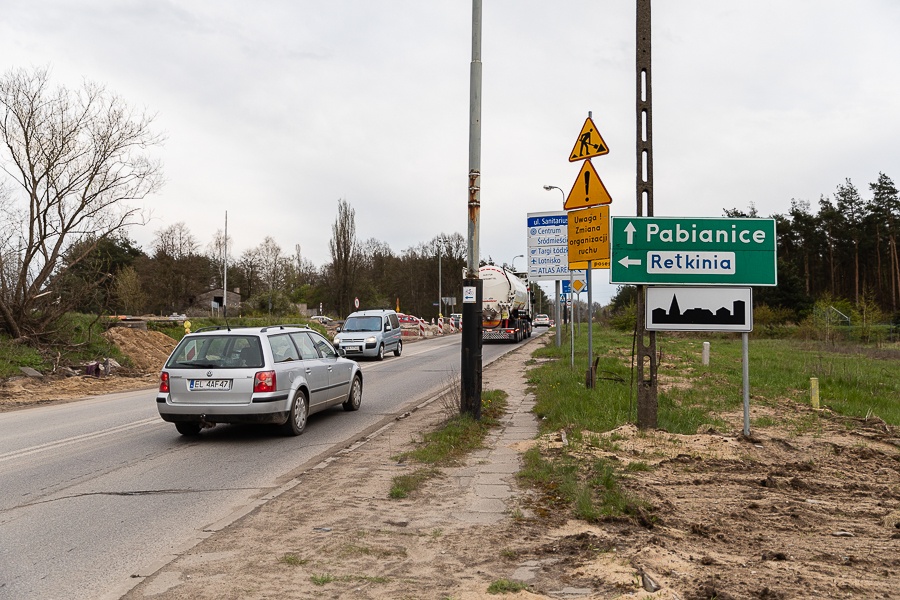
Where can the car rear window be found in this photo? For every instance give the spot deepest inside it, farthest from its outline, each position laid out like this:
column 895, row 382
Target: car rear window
column 217, row 351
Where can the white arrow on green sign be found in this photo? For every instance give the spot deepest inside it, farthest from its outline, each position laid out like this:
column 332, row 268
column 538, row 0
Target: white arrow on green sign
column 705, row 251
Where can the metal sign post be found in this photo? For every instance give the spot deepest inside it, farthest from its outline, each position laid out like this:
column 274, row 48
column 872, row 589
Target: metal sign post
column 745, row 355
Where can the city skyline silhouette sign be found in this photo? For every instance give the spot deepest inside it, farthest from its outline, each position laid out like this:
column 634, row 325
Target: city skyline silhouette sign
column 587, row 190
column 589, row 143
column 703, row 251
column 699, row 309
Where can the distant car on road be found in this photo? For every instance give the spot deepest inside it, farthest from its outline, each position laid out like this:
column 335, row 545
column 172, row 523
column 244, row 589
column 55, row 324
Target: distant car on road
column 456, row 319
column 278, row 374
column 541, row 321
column 370, row 333
column 322, row 319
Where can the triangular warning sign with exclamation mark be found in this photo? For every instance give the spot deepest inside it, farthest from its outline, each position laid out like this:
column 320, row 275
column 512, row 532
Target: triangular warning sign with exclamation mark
column 588, row 190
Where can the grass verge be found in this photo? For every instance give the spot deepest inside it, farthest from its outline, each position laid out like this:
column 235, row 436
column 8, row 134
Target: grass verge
column 458, row 436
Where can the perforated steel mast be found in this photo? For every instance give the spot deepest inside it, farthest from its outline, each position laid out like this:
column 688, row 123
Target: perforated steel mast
column 646, row 340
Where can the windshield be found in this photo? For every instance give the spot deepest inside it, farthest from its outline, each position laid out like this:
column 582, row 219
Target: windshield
column 362, row 324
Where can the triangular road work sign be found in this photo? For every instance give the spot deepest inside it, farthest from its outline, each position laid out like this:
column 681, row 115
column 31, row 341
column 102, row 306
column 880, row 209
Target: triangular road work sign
column 589, row 143
column 588, row 190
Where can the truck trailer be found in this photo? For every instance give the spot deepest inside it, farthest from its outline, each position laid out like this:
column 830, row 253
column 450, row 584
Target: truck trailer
column 505, row 314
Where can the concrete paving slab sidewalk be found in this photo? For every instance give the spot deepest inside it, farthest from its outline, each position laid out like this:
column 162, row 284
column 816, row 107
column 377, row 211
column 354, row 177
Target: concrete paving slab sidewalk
column 488, row 481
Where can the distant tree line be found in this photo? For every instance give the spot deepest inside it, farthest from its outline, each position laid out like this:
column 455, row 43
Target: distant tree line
column 118, row 277
column 177, row 269
column 846, row 249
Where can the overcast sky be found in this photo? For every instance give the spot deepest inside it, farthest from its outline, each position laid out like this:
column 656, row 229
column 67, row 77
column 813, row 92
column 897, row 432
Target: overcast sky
column 274, row 110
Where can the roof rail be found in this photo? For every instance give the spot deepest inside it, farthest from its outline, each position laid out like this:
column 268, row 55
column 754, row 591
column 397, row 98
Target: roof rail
column 282, row 326
column 211, row 328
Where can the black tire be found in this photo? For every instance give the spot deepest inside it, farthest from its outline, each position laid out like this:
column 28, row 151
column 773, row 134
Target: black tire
column 354, row 398
column 188, row 428
column 298, row 416
column 380, row 352
column 399, row 348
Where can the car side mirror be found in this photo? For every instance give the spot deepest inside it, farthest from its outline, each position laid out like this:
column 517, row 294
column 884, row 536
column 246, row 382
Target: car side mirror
column 338, row 330
column 341, row 352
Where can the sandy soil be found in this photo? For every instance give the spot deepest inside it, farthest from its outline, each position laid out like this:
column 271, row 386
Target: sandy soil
column 790, row 513
column 148, row 350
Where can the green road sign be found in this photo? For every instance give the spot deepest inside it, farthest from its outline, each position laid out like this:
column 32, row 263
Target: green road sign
column 676, row 250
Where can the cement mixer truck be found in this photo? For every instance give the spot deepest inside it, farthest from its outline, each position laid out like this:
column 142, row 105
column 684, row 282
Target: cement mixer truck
column 505, row 305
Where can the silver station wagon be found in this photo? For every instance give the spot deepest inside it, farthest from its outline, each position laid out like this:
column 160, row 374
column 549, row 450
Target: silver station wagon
column 278, row 374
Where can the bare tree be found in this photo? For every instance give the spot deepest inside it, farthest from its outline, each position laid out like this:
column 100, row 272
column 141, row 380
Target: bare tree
column 344, row 255
column 175, row 241
column 219, row 255
column 249, row 270
column 72, row 159
column 179, row 272
column 272, row 264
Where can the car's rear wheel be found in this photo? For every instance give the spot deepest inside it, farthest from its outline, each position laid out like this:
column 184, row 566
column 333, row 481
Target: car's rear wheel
column 355, row 397
column 296, row 422
column 380, row 352
column 399, row 348
column 189, row 428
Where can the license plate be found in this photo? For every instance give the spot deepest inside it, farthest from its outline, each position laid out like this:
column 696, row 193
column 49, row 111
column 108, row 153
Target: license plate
column 353, row 348
column 209, row 384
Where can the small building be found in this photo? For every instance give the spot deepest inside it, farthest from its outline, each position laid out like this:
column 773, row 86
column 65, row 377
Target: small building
column 212, row 303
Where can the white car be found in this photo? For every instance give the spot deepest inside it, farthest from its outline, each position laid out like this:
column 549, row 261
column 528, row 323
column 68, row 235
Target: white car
column 321, row 319
column 541, row 321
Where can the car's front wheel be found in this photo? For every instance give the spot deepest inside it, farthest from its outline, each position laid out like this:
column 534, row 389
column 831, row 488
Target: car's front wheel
column 296, row 422
column 354, row 399
column 399, row 348
column 189, row 428
column 380, row 352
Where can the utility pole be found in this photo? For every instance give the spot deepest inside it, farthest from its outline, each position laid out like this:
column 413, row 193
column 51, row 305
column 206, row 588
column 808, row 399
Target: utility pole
column 440, row 295
column 646, row 341
column 470, row 357
column 225, row 273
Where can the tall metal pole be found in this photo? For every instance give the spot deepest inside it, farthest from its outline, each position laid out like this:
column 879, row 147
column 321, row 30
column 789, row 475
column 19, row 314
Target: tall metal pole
column 440, row 294
column 225, row 268
column 558, row 316
column 470, row 359
column 560, row 309
column 571, row 320
column 646, row 341
column 590, row 314
column 590, row 300
column 745, row 372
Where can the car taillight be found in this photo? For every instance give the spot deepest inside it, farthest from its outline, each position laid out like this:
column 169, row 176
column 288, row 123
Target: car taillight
column 264, row 381
column 164, row 382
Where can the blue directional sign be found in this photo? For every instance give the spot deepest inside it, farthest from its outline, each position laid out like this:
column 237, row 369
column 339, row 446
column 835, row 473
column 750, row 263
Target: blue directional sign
column 705, row 251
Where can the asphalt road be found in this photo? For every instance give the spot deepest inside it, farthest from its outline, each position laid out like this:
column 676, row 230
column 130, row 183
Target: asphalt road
column 96, row 490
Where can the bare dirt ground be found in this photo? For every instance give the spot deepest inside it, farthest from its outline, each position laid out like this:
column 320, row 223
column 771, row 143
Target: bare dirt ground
column 148, row 350
column 781, row 515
